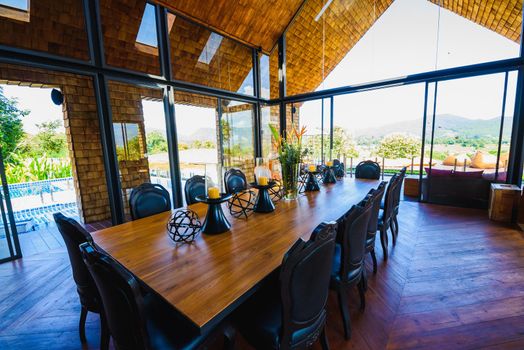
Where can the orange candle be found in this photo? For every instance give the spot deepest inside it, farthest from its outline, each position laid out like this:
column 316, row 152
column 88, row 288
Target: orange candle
column 312, row 168
column 263, row 181
column 213, row 192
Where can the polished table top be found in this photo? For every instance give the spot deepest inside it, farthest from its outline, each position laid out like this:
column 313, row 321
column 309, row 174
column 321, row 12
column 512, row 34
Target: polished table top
column 206, row 279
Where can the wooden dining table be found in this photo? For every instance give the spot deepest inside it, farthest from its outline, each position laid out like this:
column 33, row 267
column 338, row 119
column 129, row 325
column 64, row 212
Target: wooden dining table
column 207, row 279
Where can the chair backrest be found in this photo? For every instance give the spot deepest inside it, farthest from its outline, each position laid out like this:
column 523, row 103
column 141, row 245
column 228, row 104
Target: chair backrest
column 121, row 298
column 195, row 186
column 377, row 195
column 304, row 282
column 398, row 189
column 367, row 169
column 74, row 235
column 235, row 181
column 148, row 199
column 354, row 225
column 389, row 200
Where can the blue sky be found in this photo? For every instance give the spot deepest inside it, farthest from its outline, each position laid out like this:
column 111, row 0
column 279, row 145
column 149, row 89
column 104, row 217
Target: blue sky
column 19, row 4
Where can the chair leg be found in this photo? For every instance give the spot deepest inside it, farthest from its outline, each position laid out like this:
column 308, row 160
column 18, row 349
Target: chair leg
column 392, row 229
column 324, row 340
column 82, row 324
column 395, row 220
column 374, row 258
column 104, row 333
column 229, row 338
column 344, row 312
column 362, row 292
column 384, row 241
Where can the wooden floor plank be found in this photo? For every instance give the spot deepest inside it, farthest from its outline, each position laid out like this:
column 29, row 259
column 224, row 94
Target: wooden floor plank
column 455, row 280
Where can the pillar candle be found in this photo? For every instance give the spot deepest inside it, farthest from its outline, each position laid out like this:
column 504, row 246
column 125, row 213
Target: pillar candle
column 213, row 192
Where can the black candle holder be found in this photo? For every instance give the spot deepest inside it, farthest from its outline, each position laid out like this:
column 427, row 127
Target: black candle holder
column 216, row 221
column 312, row 181
column 329, row 176
column 263, row 203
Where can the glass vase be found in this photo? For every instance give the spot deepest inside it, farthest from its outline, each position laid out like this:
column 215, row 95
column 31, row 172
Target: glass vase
column 290, row 175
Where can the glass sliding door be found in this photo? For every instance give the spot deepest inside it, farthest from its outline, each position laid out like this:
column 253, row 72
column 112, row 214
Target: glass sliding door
column 139, row 126
column 9, row 244
column 469, row 138
column 382, row 125
column 237, row 134
column 198, row 139
column 467, row 130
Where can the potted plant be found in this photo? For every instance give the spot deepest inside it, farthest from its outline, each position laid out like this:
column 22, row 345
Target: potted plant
column 290, row 156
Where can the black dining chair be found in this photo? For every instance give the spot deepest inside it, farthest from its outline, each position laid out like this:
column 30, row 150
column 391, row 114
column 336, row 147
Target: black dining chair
column 376, row 197
column 290, row 313
column 367, row 169
column 195, row 186
column 135, row 319
column 148, row 199
column 348, row 268
column 385, row 218
column 235, row 181
column 396, row 204
column 74, row 235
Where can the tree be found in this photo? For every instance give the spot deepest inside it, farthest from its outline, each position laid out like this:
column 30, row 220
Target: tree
column 156, row 142
column 396, row 146
column 50, row 141
column 343, row 144
column 11, row 127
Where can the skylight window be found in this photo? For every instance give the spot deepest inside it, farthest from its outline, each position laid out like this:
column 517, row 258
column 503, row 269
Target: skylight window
column 209, row 51
column 15, row 9
column 16, row 4
column 147, row 31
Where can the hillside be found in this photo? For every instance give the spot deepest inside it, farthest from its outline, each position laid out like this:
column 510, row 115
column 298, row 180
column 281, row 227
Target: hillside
column 446, row 125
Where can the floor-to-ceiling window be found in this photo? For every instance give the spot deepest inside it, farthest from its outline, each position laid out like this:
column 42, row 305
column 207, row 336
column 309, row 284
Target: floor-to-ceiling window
column 472, row 124
column 237, row 134
column 139, row 128
column 198, row 138
column 383, row 125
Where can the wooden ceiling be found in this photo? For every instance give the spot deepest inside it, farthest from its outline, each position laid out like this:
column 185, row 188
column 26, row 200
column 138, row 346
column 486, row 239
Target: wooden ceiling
column 501, row 16
column 258, row 23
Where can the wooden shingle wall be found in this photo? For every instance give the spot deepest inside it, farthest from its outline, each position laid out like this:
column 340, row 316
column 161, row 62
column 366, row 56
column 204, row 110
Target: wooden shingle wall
column 256, row 22
column 120, row 23
column 55, row 27
column 228, row 67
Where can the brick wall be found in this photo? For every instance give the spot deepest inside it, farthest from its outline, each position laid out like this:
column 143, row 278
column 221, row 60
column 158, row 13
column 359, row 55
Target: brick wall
column 82, row 131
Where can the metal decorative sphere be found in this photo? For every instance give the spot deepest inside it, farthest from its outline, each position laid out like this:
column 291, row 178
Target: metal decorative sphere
column 242, row 204
column 276, row 192
column 183, row 226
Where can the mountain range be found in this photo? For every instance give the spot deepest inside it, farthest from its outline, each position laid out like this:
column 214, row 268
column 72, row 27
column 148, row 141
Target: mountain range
column 446, row 125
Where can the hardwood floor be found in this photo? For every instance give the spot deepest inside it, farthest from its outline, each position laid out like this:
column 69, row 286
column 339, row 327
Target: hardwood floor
column 455, row 280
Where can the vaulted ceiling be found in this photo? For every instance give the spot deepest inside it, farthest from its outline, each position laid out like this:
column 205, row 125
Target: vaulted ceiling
column 258, row 23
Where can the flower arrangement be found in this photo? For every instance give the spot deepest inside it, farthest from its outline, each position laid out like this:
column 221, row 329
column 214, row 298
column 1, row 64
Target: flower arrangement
column 290, row 155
